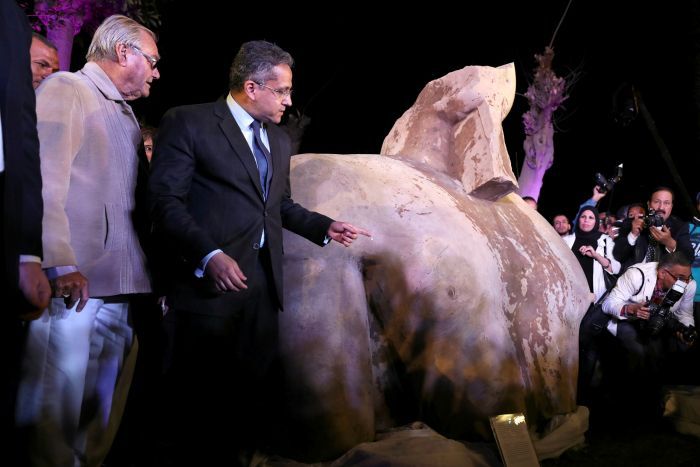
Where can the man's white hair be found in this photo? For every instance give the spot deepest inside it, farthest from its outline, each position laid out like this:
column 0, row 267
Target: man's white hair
column 115, row 30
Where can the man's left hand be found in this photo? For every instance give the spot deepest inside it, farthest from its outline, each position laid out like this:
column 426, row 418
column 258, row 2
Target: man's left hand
column 663, row 236
column 345, row 233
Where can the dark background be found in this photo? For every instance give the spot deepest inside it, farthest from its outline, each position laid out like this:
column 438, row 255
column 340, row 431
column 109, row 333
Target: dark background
column 359, row 66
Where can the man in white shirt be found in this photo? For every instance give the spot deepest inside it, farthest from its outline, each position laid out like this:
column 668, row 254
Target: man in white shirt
column 637, row 348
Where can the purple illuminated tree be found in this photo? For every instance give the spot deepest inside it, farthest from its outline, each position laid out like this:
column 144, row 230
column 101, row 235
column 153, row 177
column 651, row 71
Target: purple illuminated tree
column 545, row 95
column 64, row 19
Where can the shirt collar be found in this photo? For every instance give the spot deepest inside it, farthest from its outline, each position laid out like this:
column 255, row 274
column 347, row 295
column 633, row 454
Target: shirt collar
column 97, row 75
column 243, row 118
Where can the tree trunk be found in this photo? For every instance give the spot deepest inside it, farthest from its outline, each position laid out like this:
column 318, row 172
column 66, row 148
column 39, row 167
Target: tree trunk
column 545, row 95
column 62, row 36
column 63, row 19
column 539, row 156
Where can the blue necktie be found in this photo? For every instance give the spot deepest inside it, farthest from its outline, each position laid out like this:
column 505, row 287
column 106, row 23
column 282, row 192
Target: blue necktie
column 262, row 156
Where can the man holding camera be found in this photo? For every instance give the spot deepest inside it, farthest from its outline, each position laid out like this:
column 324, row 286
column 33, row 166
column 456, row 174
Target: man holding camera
column 651, row 237
column 650, row 324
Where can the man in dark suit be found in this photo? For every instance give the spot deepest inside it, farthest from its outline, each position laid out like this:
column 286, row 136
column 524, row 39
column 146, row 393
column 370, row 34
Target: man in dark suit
column 220, row 196
column 637, row 244
column 24, row 288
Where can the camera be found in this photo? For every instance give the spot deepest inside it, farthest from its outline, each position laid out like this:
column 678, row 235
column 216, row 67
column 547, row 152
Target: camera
column 689, row 333
column 652, row 219
column 604, row 185
column 660, row 313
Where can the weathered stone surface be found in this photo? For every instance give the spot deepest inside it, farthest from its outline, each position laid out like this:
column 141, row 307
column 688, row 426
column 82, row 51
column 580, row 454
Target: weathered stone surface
column 458, row 309
column 455, row 127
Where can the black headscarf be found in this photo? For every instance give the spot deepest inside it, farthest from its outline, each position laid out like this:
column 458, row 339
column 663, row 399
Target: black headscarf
column 588, row 239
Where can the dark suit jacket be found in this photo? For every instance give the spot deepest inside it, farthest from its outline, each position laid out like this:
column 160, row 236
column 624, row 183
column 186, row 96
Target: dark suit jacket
column 22, row 205
column 628, row 254
column 205, row 194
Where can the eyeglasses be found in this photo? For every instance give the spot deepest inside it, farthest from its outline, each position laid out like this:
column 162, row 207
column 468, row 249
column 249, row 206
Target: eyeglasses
column 683, row 278
column 280, row 93
column 153, row 61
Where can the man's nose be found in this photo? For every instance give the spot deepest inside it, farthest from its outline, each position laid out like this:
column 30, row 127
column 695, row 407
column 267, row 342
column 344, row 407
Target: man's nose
column 156, row 73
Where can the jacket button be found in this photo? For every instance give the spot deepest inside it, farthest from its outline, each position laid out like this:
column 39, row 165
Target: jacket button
column 256, row 246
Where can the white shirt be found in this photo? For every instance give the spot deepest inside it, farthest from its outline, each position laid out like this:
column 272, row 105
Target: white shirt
column 627, row 291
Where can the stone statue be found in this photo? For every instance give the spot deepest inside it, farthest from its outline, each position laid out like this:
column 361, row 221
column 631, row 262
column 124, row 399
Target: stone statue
column 464, row 305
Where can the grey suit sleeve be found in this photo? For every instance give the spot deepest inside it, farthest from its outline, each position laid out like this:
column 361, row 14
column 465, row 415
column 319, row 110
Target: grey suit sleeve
column 60, row 125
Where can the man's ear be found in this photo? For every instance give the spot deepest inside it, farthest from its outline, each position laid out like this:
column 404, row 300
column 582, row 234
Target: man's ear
column 249, row 87
column 120, row 49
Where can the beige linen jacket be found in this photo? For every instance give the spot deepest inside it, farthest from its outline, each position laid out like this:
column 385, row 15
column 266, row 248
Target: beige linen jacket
column 89, row 163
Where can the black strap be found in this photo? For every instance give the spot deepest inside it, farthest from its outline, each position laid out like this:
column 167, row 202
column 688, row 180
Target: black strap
column 643, row 280
column 602, row 297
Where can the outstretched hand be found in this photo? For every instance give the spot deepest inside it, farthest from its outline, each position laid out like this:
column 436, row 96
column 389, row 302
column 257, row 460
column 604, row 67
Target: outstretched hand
column 345, row 233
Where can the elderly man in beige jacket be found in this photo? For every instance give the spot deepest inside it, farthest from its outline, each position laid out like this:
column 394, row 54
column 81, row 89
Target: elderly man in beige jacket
column 75, row 352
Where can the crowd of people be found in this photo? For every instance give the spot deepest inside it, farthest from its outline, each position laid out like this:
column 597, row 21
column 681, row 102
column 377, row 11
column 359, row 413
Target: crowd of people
column 640, row 270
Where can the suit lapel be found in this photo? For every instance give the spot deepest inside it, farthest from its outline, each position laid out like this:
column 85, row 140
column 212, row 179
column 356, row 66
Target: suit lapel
column 238, row 143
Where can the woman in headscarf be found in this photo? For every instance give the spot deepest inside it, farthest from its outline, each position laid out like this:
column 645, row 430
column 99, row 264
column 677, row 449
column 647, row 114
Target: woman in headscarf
column 593, row 249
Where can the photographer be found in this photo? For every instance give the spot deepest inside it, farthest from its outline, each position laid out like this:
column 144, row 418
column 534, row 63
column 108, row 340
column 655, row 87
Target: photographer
column 651, row 237
column 641, row 353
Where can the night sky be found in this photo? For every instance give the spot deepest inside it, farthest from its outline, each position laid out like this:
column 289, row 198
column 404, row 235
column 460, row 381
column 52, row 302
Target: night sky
column 357, row 70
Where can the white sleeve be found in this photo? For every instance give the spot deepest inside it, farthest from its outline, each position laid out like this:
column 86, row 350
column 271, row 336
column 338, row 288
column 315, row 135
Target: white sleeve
column 614, row 264
column 626, row 287
column 684, row 312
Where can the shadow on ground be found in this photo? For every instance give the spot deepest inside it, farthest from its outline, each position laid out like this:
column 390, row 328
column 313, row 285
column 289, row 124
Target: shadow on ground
column 617, row 440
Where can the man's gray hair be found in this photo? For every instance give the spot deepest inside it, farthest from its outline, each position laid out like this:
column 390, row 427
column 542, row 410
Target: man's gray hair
column 674, row 259
column 255, row 61
column 117, row 29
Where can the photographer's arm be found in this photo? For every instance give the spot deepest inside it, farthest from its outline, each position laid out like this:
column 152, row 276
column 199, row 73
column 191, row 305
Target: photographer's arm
column 684, row 313
column 597, row 196
column 663, row 236
column 621, row 296
column 593, row 200
column 626, row 240
column 682, row 239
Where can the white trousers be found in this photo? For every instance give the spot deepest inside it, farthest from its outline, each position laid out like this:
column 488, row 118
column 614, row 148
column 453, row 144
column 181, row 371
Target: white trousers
column 72, row 366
